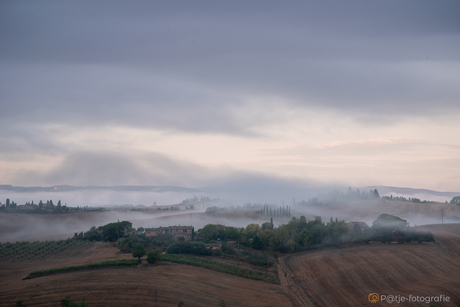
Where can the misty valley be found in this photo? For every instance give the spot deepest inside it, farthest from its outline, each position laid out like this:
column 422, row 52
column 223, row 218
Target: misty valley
column 204, row 238
column 229, row 153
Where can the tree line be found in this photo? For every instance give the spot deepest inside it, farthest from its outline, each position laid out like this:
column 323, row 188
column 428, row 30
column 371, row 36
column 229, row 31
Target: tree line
column 296, row 235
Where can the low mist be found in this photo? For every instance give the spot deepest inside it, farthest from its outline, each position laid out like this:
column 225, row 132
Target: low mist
column 239, row 208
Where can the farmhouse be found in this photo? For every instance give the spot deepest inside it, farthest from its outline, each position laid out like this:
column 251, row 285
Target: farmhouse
column 175, row 231
column 132, row 233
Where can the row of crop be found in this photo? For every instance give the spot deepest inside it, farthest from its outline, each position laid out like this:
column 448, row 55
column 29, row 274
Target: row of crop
column 214, row 265
column 36, row 249
column 108, row 263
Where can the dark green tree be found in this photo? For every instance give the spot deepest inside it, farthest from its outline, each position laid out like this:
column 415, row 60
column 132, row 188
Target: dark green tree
column 209, row 232
column 455, row 200
column 389, row 221
column 138, row 251
column 302, row 222
column 232, row 233
column 114, row 231
column 257, row 243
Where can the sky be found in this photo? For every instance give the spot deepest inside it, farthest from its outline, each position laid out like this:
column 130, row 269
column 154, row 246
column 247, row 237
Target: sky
column 230, row 93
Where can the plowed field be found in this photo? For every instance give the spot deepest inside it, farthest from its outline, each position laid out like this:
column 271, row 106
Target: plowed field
column 346, row 276
column 330, row 277
column 131, row 286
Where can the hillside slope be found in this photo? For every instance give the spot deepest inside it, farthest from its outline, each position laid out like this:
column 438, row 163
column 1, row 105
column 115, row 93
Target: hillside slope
column 345, row 276
column 131, row 286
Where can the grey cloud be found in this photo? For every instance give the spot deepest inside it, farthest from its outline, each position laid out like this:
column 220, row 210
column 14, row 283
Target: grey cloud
column 96, row 169
column 109, row 169
column 184, row 66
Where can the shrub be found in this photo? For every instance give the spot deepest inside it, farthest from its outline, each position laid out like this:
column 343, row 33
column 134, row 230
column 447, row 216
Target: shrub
column 195, row 248
column 153, row 256
column 108, row 263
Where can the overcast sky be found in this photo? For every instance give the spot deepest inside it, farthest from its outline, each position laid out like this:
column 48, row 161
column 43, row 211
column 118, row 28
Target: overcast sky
column 203, row 93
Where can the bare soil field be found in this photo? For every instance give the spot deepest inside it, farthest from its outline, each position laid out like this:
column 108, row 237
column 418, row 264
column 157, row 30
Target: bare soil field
column 330, row 277
column 131, row 286
column 346, row 276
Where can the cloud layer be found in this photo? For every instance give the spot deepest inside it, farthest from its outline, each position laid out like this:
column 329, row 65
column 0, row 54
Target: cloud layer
column 200, row 82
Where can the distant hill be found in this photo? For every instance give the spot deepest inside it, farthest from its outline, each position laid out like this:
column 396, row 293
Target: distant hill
column 69, row 188
column 383, row 190
column 409, row 191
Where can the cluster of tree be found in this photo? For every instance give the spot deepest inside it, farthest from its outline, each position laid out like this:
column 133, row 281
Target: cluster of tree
column 282, row 211
column 162, row 241
column 387, row 228
column 211, row 233
column 297, row 235
column 41, row 207
column 214, row 209
column 10, row 205
column 111, row 232
column 355, row 194
column 455, row 200
column 196, row 199
column 166, row 209
column 401, row 198
column 300, row 234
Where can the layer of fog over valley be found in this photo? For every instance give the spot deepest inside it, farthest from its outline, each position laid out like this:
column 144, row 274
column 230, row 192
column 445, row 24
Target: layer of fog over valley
column 198, row 207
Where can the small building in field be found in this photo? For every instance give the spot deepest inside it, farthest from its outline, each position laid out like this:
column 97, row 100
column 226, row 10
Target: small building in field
column 132, row 233
column 175, row 231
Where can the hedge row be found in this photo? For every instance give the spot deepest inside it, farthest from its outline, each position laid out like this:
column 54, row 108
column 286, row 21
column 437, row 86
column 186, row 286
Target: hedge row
column 123, row 262
column 214, row 265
